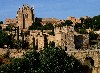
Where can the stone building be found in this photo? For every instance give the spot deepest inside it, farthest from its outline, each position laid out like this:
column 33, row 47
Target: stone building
column 81, row 41
column 25, row 17
column 41, row 41
column 3, row 26
column 74, row 20
column 64, row 37
column 45, row 21
column 10, row 21
column 33, row 38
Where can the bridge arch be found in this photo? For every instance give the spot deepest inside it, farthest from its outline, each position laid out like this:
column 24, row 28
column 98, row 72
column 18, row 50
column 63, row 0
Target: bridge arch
column 91, row 57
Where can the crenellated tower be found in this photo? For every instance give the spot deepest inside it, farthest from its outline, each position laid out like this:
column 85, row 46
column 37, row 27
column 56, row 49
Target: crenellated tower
column 25, row 16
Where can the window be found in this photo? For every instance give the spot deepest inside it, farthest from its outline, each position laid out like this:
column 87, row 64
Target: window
column 26, row 15
column 65, row 36
column 65, row 48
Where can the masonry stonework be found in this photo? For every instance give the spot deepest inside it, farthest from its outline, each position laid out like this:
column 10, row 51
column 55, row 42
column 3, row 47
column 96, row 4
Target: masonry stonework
column 94, row 56
column 64, row 37
column 25, row 17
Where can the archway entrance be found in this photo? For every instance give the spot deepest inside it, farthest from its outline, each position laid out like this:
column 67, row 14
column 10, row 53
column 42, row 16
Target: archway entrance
column 90, row 63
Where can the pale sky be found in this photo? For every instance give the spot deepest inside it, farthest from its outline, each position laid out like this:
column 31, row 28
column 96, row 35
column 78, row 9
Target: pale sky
column 51, row 8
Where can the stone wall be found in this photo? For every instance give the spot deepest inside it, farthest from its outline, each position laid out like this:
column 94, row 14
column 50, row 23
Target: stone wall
column 45, row 21
column 25, row 17
column 40, row 42
column 10, row 21
column 64, row 37
column 81, row 41
column 94, row 54
column 12, row 52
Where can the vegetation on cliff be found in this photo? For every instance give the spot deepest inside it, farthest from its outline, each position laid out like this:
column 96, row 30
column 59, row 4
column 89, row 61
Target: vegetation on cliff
column 49, row 60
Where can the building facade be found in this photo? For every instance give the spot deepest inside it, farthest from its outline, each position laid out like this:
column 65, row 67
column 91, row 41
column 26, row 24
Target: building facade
column 25, row 17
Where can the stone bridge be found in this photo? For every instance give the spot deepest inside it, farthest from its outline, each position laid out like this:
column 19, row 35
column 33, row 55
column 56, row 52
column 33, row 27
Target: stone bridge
column 86, row 55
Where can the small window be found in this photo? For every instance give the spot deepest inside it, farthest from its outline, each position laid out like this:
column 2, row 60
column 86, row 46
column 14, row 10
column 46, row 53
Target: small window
column 65, row 36
column 17, row 22
column 65, row 48
column 26, row 15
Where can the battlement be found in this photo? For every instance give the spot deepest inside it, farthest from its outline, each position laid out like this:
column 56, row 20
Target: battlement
column 64, row 29
column 25, row 16
column 10, row 21
column 25, row 7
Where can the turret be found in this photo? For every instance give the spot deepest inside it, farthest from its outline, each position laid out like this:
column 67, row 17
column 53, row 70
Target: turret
column 25, row 16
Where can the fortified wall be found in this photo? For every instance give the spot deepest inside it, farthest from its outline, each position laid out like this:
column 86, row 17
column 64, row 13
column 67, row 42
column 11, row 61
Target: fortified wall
column 88, row 57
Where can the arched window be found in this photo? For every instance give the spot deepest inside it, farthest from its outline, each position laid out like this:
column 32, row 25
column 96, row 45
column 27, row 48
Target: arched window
column 89, row 61
column 26, row 15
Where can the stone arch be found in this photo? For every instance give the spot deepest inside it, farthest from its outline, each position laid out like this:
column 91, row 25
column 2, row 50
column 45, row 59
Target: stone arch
column 93, row 56
column 89, row 60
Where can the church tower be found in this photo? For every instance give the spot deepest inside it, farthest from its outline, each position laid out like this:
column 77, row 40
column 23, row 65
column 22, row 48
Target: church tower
column 25, row 17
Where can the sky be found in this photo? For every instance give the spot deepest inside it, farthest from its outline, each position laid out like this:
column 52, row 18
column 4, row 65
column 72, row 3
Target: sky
column 60, row 9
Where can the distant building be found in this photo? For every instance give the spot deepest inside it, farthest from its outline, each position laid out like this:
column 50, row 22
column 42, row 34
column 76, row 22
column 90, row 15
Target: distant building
column 63, row 37
column 10, row 21
column 25, row 17
column 45, row 21
column 74, row 20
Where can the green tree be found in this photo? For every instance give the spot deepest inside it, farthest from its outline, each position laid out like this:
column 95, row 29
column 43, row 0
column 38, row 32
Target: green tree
column 82, row 20
column 68, row 23
column 48, row 26
column 10, row 27
column 55, row 60
column 92, row 36
column 88, row 23
column 1, row 22
column 49, row 60
column 60, row 25
column 36, row 26
column 6, row 39
column 17, row 44
column 3, row 38
column 77, row 27
column 0, row 28
column 96, row 22
column 27, row 64
column 52, row 44
column 83, row 31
